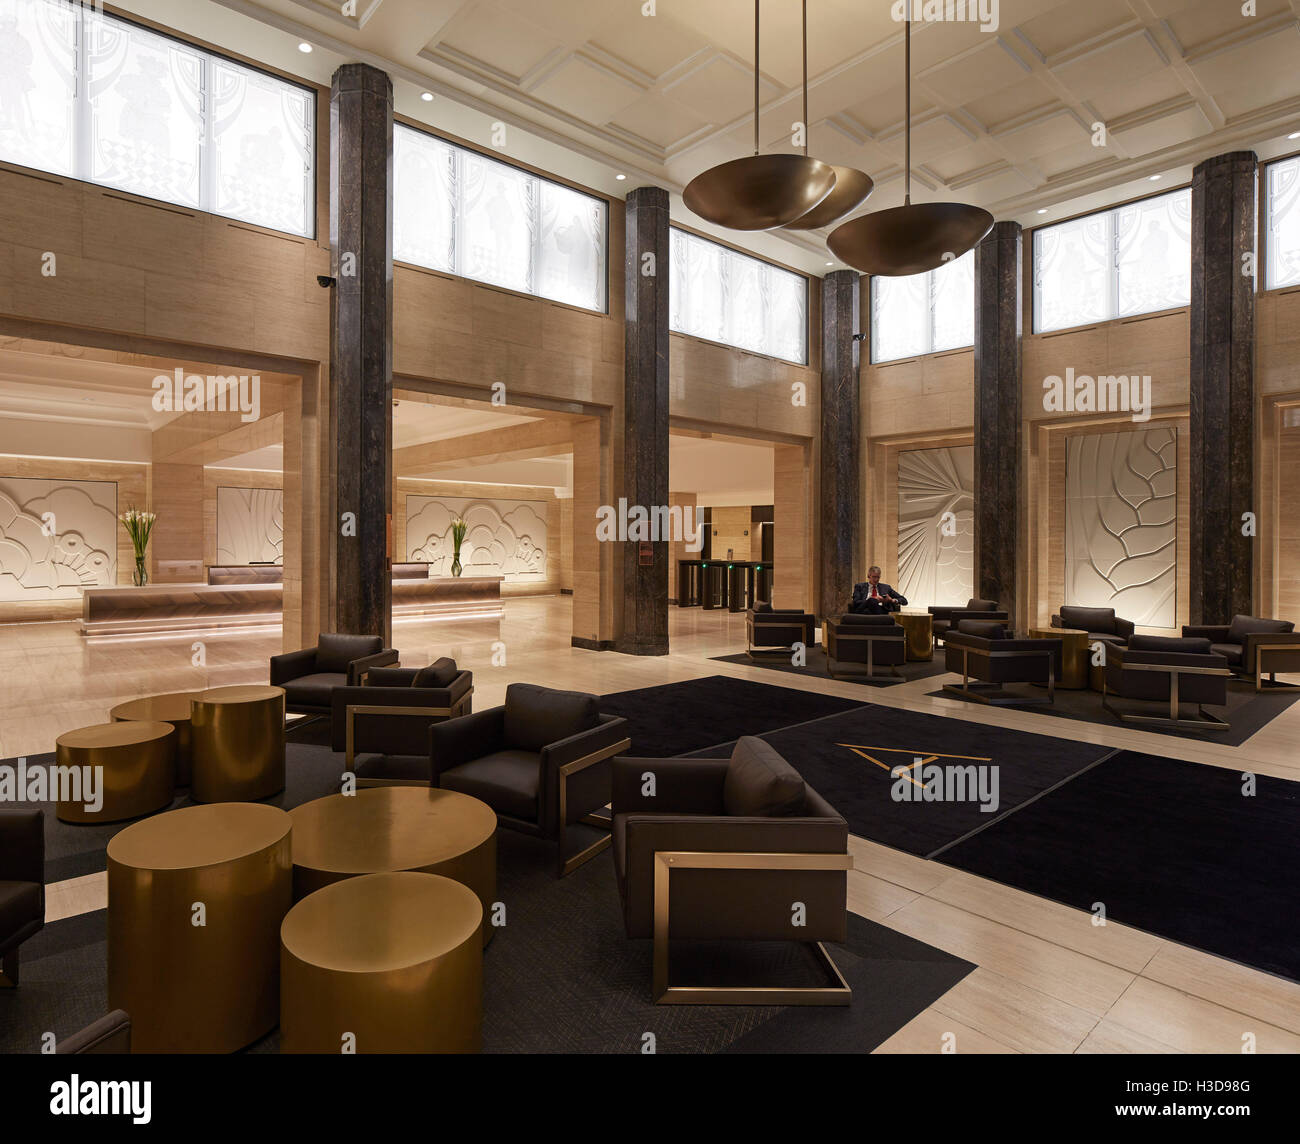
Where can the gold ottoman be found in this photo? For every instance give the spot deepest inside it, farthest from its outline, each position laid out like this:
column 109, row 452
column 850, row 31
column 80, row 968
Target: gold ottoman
column 383, row 963
column 188, row 987
column 385, row 829
column 137, row 769
column 174, row 709
column 238, row 743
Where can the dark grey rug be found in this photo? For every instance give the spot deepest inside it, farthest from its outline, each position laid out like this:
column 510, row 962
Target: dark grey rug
column 817, row 666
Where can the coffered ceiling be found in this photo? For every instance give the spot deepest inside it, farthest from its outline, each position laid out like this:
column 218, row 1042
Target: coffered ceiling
column 1003, row 115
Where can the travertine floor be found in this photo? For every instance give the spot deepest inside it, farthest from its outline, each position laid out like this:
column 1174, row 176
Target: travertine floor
column 1048, row 980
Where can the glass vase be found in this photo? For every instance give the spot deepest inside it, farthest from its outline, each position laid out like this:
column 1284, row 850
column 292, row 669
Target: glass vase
column 141, row 576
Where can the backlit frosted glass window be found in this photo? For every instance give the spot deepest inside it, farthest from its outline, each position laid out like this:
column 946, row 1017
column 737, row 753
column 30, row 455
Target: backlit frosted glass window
column 725, row 296
column 952, row 304
column 1153, row 247
column 1073, row 273
column 262, row 148
column 923, row 313
column 460, row 212
column 38, row 84
column 1282, row 204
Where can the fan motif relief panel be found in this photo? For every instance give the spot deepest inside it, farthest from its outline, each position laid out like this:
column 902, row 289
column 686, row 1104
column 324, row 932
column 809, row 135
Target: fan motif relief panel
column 250, row 526
column 1121, row 517
column 936, row 525
column 56, row 537
column 503, row 538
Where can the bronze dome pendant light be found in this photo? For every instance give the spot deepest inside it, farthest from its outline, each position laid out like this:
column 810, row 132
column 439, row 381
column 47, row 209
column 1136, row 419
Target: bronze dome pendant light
column 759, row 192
column 852, row 187
column 913, row 238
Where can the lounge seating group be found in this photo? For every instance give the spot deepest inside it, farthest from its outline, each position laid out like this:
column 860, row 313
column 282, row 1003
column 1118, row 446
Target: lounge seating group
column 1253, row 647
column 309, row 676
column 946, row 618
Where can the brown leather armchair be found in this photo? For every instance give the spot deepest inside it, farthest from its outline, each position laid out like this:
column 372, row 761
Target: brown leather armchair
column 22, row 885
column 773, row 631
column 1101, row 624
column 984, row 651
column 1167, row 669
column 383, row 726
column 858, row 644
column 1253, row 647
column 721, row 850
column 541, row 761
column 945, row 618
column 309, row 676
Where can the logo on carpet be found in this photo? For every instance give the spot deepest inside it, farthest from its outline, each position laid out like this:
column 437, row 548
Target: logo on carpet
column 925, row 779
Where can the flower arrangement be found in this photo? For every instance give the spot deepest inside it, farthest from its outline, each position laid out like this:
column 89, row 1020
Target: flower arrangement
column 139, row 527
column 458, row 530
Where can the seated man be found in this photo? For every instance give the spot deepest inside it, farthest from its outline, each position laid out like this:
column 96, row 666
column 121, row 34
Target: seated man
column 874, row 598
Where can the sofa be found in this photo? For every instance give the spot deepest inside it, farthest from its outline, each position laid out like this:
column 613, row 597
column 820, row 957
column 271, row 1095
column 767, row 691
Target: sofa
column 1167, row 669
column 985, row 652
column 22, row 885
column 858, row 644
column 945, row 618
column 309, row 676
column 1253, row 647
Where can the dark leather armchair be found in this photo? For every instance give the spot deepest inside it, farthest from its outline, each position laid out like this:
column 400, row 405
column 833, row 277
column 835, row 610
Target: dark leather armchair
column 383, row 726
column 309, row 676
column 721, row 850
column 984, row 651
column 858, row 644
column 773, row 631
column 1163, row 669
column 22, row 885
column 110, row 1034
column 541, row 760
column 1253, row 647
column 975, row 609
column 1101, row 624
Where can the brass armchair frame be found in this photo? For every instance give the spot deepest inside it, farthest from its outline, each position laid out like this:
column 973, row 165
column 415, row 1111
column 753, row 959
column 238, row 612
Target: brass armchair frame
column 828, row 639
column 772, row 651
column 1260, row 669
column 354, row 709
column 1205, row 722
column 1008, row 700
column 666, row 861
column 568, row 865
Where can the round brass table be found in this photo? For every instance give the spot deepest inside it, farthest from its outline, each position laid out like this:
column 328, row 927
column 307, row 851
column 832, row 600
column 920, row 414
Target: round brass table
column 1076, row 655
column 384, row 829
column 919, row 627
column 238, row 743
column 135, row 770
column 191, row 987
column 383, row 963
column 173, row 708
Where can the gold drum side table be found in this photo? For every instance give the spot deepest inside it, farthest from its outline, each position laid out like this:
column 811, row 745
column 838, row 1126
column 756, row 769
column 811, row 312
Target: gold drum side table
column 919, row 627
column 383, row 963
column 1076, row 655
column 135, row 764
column 173, row 708
column 238, row 742
column 195, row 901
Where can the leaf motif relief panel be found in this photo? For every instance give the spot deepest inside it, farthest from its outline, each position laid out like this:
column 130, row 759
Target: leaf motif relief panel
column 936, row 525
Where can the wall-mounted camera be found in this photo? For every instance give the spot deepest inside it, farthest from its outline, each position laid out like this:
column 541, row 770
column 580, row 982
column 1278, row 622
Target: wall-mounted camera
column 324, row 281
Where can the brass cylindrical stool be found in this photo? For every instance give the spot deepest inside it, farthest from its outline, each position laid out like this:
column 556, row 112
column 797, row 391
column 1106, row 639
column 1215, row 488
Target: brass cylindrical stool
column 173, row 708
column 195, row 901
column 135, row 764
column 383, row 963
column 238, row 737
column 385, row 829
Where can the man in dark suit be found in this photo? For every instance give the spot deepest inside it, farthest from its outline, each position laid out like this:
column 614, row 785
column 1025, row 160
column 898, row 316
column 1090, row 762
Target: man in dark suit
column 874, row 598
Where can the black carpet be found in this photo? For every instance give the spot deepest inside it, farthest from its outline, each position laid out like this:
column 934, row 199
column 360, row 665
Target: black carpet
column 561, row 977
column 816, row 668
column 676, row 718
column 1170, row 847
column 1246, row 711
column 861, row 787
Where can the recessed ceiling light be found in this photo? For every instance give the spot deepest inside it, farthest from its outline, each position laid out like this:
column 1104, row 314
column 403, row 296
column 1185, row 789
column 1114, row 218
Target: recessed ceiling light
column 620, row 178
column 304, row 46
column 1042, row 210
column 427, row 96
column 830, row 264
column 1153, row 178
column 1294, row 135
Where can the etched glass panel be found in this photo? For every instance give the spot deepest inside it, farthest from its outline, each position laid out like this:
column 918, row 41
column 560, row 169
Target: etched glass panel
column 702, row 289
column 1154, row 254
column 745, row 302
column 1282, row 201
column 787, row 319
column 900, row 317
column 953, row 304
column 1073, row 273
column 497, row 223
column 572, row 265
column 38, row 85
column 262, row 148
column 424, row 200
column 146, row 111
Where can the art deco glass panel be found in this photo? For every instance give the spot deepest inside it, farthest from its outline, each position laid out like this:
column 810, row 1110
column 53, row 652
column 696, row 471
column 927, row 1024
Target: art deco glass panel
column 936, row 525
column 38, row 85
column 424, row 200
column 262, row 148
column 1153, row 254
column 953, row 305
column 146, row 111
column 900, row 317
column 1282, row 202
column 1074, row 273
column 1121, row 523
column 572, row 266
column 497, row 223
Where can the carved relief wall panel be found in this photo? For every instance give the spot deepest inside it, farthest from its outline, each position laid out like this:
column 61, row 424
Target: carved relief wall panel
column 56, row 537
column 505, row 537
column 250, row 526
column 936, row 525
column 1121, row 516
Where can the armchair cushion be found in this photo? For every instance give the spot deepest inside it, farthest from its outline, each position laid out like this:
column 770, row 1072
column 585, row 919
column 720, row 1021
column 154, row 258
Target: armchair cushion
column 974, row 605
column 292, row 664
column 537, row 716
column 369, row 765
column 508, row 781
column 760, row 783
column 862, row 619
column 1243, row 626
column 334, row 651
column 439, row 673
column 312, row 690
column 1232, row 652
column 392, row 676
column 1099, row 620
column 457, row 741
column 1185, row 645
column 681, row 786
column 989, row 629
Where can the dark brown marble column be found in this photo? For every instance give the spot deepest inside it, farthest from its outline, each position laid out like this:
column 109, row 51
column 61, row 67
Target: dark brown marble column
column 840, row 507
column 1222, row 389
column 997, row 417
column 645, row 418
column 361, row 383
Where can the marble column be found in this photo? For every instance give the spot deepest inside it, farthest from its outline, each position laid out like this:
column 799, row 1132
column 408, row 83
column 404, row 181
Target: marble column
column 1222, row 388
column 645, row 418
column 998, row 418
column 361, row 389
column 840, row 508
